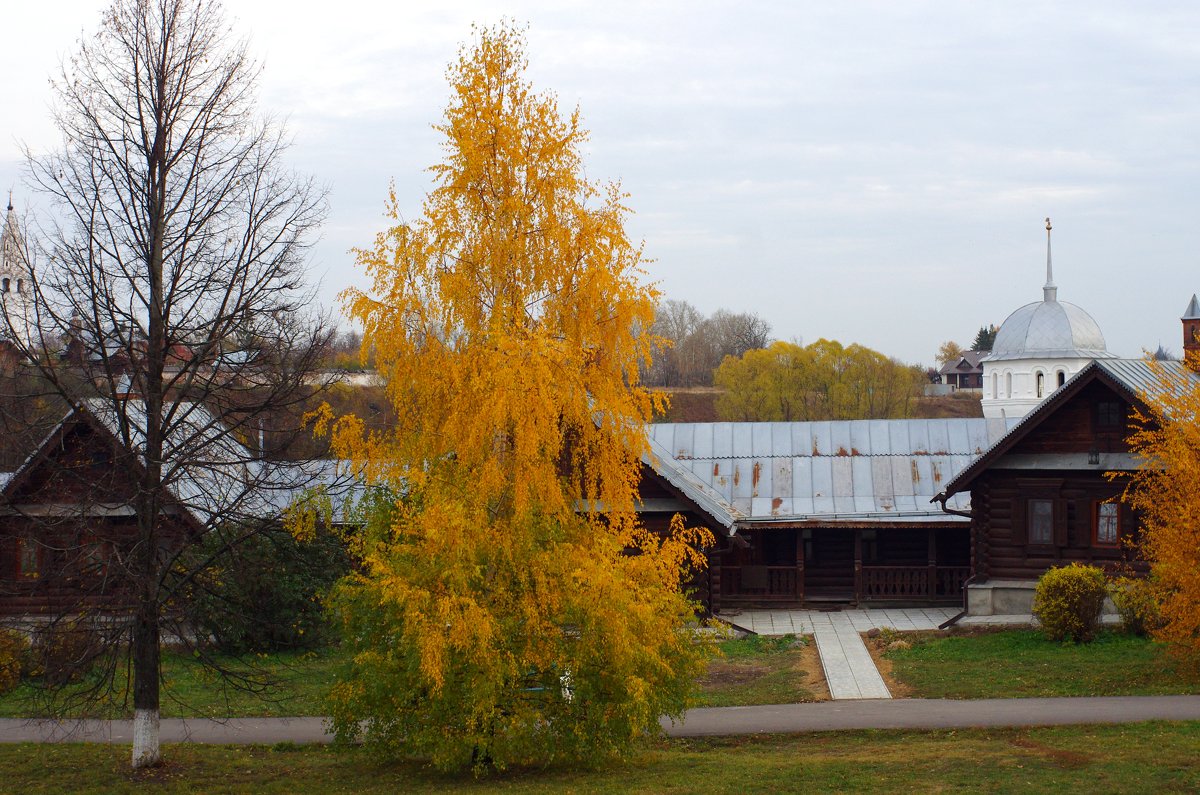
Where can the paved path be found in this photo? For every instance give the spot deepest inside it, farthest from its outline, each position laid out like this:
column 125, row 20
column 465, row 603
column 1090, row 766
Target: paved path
column 849, row 670
column 805, row 622
column 910, row 713
column 241, row 731
column 916, row 713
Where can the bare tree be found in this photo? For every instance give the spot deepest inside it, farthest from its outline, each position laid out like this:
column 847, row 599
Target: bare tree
column 173, row 265
column 698, row 344
column 735, row 333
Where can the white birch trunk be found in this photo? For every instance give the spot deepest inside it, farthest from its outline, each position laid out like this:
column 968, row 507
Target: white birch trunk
column 145, row 738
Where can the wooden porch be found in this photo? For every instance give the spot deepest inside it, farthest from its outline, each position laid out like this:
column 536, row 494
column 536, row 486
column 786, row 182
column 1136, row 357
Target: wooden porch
column 845, row 566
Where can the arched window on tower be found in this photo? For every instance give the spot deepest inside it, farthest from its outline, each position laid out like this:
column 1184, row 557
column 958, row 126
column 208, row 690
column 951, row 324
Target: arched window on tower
column 1008, row 385
column 20, row 285
column 1062, row 378
column 4, row 285
column 1041, row 384
column 995, row 382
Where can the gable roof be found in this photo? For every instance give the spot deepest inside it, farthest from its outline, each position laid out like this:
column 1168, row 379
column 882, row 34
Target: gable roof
column 207, row 472
column 1131, row 378
column 969, row 361
column 870, row 471
column 659, row 459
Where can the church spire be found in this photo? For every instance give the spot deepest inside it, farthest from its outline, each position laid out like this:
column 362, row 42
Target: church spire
column 1050, row 291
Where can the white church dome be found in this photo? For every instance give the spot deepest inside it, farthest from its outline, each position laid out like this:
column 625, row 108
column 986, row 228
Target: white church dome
column 1049, row 329
column 1037, row 350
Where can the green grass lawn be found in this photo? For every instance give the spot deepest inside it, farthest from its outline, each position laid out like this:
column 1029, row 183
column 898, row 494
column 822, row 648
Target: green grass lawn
column 1150, row 757
column 762, row 670
column 1022, row 663
column 300, row 683
column 752, row 670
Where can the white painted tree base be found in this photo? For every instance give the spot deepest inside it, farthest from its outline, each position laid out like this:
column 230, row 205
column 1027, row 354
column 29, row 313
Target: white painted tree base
column 145, row 738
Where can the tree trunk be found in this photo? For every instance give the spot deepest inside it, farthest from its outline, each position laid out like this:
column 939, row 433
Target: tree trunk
column 145, row 683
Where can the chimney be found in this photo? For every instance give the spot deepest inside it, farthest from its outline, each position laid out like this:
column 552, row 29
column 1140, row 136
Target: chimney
column 1191, row 334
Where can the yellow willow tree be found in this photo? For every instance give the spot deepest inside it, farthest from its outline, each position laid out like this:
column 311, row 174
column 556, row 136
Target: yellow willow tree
column 511, row 608
column 1165, row 491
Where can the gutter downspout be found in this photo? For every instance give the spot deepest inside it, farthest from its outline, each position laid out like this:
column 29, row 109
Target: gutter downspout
column 941, row 498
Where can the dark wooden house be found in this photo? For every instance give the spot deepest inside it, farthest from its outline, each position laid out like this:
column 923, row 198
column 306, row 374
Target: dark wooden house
column 1041, row 496
column 67, row 523
column 67, row 518
column 820, row 512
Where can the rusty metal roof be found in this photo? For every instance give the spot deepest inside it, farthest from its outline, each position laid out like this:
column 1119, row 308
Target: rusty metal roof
column 853, row 470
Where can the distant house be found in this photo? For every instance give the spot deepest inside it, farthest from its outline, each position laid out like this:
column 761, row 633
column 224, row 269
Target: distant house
column 965, row 372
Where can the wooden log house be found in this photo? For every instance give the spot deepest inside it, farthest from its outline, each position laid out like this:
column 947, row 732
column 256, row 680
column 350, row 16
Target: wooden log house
column 811, row 513
column 1041, row 496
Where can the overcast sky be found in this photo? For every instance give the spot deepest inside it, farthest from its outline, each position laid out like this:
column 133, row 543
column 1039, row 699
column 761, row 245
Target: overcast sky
column 868, row 172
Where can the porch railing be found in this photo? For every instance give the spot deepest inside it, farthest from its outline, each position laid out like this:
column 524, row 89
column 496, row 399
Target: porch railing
column 760, row 582
column 879, row 583
column 913, row 582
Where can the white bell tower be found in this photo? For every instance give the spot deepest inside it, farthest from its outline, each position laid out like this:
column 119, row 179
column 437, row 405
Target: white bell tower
column 16, row 282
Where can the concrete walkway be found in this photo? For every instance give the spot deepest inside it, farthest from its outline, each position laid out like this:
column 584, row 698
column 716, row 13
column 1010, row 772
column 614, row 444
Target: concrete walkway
column 916, row 713
column 822, row 716
column 849, row 670
column 805, row 622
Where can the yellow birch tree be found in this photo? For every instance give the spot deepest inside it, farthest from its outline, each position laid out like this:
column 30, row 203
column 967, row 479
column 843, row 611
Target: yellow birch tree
column 511, row 608
column 1165, row 491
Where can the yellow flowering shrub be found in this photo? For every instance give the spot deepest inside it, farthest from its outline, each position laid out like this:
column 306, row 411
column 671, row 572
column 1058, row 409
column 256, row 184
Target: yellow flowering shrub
column 1068, row 601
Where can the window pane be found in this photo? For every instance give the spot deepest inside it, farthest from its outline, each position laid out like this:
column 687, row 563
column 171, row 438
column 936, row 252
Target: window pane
column 1111, row 414
column 1041, row 521
column 28, row 559
column 1107, row 523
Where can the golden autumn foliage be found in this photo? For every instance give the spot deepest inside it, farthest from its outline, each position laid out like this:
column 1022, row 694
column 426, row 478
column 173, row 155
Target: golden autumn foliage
column 1165, row 491
column 511, row 607
column 949, row 351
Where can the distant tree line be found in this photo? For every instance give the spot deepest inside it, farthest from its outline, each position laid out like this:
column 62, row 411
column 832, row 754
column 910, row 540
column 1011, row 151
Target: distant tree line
column 697, row 344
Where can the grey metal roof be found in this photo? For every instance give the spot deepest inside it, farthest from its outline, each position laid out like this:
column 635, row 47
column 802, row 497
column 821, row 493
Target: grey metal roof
column 1193, row 310
column 1049, row 329
column 1140, row 376
column 213, row 475
column 711, row 502
column 860, row 470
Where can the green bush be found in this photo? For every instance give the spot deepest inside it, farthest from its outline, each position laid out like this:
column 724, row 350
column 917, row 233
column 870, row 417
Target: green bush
column 1137, row 603
column 14, row 653
column 265, row 593
column 1068, row 601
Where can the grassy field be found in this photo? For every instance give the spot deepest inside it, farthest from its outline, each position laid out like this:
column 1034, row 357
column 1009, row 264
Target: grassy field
column 300, row 682
column 762, row 670
column 1152, row 757
column 1022, row 663
column 753, row 670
